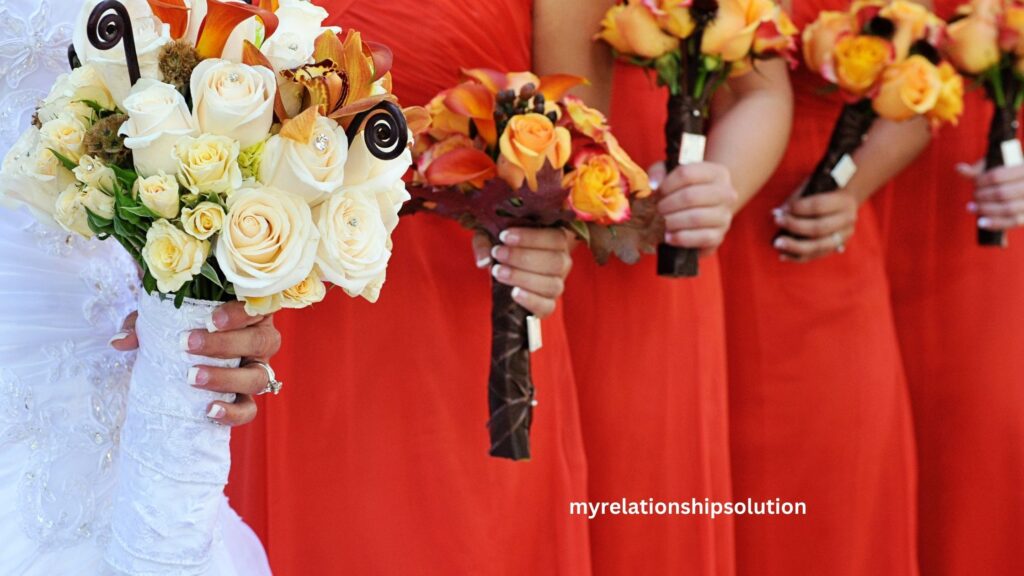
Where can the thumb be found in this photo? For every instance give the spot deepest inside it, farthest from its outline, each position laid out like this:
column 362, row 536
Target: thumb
column 481, row 249
column 126, row 340
column 656, row 174
column 971, row 171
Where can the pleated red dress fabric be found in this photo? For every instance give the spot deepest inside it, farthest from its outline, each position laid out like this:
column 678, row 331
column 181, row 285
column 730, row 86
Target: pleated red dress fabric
column 959, row 311
column 374, row 459
column 649, row 358
column 819, row 405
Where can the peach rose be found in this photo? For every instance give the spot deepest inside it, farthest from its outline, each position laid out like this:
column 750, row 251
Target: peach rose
column 527, row 142
column 859, row 62
column 820, row 38
column 633, row 30
column 972, row 44
column 908, row 89
column 731, row 34
column 596, row 191
column 950, row 105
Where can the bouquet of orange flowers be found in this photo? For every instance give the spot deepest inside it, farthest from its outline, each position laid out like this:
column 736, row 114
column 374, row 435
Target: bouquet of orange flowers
column 883, row 59
column 985, row 41
column 502, row 150
column 694, row 46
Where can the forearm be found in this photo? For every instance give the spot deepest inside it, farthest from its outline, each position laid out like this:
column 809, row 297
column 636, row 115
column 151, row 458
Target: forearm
column 751, row 122
column 569, row 49
column 888, row 149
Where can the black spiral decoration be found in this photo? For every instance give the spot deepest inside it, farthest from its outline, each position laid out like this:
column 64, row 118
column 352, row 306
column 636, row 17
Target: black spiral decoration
column 384, row 128
column 110, row 23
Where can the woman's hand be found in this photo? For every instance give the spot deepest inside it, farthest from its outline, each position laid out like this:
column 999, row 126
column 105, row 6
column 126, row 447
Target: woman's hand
column 697, row 202
column 534, row 261
column 998, row 196
column 818, row 225
column 232, row 334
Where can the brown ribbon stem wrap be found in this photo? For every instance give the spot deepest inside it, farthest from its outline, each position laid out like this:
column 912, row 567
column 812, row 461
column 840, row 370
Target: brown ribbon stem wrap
column 510, row 392
column 1004, row 127
column 686, row 114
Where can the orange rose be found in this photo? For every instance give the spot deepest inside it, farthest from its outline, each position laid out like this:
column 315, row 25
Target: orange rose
column 1011, row 30
column 636, row 177
column 731, row 34
column 633, row 30
column 588, row 121
column 908, row 89
column 774, row 37
column 950, row 105
column 859, row 61
column 596, row 191
column 821, row 36
column 972, row 44
column 674, row 17
column 529, row 140
column 444, row 122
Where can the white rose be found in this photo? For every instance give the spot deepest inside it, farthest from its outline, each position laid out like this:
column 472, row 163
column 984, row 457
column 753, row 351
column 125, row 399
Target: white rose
column 71, row 90
column 159, row 193
column 233, row 100
column 32, row 176
column 65, row 134
column 203, row 221
column 70, row 211
column 150, row 36
column 355, row 227
column 98, row 202
column 313, row 167
column 92, row 172
column 208, row 164
column 268, row 243
column 305, row 293
column 158, row 117
column 173, row 257
column 299, row 24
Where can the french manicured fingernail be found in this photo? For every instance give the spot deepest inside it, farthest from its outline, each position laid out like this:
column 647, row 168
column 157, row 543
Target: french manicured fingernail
column 984, row 222
column 668, row 238
column 779, row 243
column 191, row 341
column 483, row 262
column 501, row 272
column 972, row 207
column 216, row 411
column 518, row 293
column 197, row 377
column 117, row 338
column 779, row 214
column 217, row 320
column 499, row 253
column 508, row 237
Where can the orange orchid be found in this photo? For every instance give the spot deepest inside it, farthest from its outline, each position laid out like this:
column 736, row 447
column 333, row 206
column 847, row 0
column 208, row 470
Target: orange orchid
column 221, row 20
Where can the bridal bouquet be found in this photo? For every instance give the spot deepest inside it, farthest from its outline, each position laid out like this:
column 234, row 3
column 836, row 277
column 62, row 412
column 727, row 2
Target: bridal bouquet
column 693, row 46
column 236, row 152
column 502, row 150
column 985, row 41
column 884, row 61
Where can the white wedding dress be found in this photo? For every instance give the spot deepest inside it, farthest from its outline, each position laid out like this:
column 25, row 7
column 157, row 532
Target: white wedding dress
column 62, row 388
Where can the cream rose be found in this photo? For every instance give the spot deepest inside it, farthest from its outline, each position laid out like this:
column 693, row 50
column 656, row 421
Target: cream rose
column 70, row 211
column 98, row 202
column 268, row 243
column 150, row 36
column 32, row 176
column 298, row 26
column 158, row 118
column 263, row 305
column 92, row 172
column 311, row 169
column 305, row 293
column 233, row 100
column 383, row 176
column 208, row 163
column 160, row 194
column 173, row 257
column 65, row 134
column 355, row 227
column 71, row 90
column 203, row 221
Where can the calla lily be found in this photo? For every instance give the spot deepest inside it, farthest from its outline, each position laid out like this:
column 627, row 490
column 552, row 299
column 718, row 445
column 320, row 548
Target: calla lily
column 418, row 119
column 476, row 102
column 460, row 166
column 222, row 18
column 174, row 13
column 555, row 86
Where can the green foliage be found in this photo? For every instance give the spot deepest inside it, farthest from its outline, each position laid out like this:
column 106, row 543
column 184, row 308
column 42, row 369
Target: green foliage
column 64, row 160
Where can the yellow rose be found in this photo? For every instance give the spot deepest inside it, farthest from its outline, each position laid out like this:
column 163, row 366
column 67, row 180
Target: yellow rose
column 208, row 164
column 589, row 121
column 173, row 257
column 860, row 61
column 950, row 105
column 633, row 30
column 912, row 21
column 305, row 293
column 636, row 177
column 65, row 134
column 528, row 141
column 596, row 192
column 444, row 122
column 908, row 89
column 731, row 34
column 821, row 36
column 262, row 305
column 972, row 44
column 70, row 212
column 92, row 172
column 98, row 202
column 203, row 221
column 675, row 17
column 159, row 193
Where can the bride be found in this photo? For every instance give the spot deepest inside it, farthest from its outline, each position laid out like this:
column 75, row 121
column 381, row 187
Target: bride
column 62, row 387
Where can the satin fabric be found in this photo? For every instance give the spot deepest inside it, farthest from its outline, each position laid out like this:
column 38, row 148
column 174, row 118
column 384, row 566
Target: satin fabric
column 374, row 459
column 649, row 358
column 958, row 312
column 819, row 407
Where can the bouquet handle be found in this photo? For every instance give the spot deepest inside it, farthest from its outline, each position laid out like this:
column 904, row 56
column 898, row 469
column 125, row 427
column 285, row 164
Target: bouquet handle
column 510, row 392
column 1003, row 150
column 684, row 144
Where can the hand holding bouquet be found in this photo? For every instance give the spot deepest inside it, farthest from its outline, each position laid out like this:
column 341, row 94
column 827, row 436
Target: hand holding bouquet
column 882, row 58
column 985, row 41
column 694, row 46
column 237, row 152
column 504, row 150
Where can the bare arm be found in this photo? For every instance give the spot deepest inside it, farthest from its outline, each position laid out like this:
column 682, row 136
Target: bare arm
column 563, row 44
column 889, row 148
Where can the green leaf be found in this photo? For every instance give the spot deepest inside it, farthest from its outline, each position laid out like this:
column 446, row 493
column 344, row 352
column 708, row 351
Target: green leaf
column 96, row 107
column 142, row 211
column 148, row 282
column 581, row 229
column 210, row 273
column 67, row 162
column 97, row 223
column 126, row 177
column 230, row 289
column 179, row 296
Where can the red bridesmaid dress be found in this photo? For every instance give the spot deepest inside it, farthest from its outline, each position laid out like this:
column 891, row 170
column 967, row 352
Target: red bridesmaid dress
column 374, row 460
column 959, row 314
column 819, row 405
column 649, row 358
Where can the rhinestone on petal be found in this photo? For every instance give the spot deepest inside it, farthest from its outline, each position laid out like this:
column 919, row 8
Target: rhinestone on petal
column 234, row 77
column 353, row 222
column 321, row 141
column 293, row 47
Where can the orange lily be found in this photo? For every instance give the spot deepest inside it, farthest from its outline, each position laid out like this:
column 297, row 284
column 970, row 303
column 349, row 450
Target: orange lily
column 553, row 87
column 174, row 13
column 460, row 166
column 477, row 103
column 222, row 18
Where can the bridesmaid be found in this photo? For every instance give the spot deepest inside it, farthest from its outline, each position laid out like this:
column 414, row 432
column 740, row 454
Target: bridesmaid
column 377, row 462
column 958, row 315
column 818, row 400
column 649, row 352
